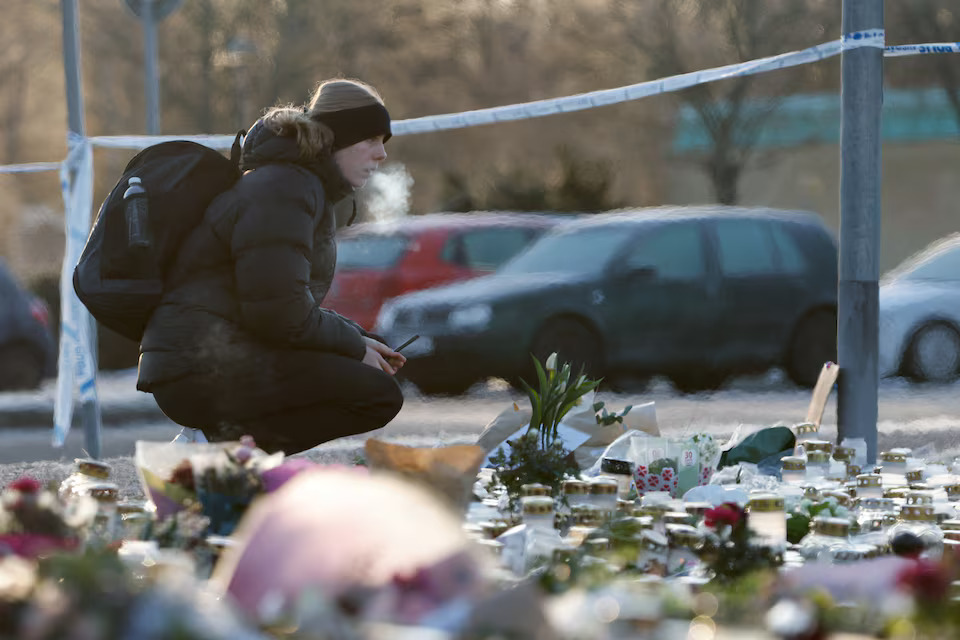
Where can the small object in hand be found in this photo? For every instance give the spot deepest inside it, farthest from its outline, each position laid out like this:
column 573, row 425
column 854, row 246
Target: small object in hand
column 407, row 343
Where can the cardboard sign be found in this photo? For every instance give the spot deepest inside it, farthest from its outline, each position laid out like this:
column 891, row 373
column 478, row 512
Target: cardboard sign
column 821, row 392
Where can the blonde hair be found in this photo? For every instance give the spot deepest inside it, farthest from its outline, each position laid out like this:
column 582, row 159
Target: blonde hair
column 313, row 137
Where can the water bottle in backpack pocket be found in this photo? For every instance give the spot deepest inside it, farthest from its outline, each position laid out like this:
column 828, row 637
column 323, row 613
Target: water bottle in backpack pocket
column 159, row 200
column 135, row 210
column 127, row 252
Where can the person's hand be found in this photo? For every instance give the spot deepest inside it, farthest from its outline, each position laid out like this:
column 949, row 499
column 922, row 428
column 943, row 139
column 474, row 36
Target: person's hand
column 380, row 356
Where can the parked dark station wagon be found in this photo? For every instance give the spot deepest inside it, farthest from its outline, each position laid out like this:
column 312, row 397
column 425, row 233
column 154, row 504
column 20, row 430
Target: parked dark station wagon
column 693, row 293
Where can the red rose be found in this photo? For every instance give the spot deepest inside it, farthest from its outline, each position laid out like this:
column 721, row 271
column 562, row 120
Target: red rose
column 25, row 484
column 728, row 513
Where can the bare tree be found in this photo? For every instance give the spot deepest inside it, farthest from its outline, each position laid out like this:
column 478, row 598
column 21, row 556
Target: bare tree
column 19, row 31
column 680, row 36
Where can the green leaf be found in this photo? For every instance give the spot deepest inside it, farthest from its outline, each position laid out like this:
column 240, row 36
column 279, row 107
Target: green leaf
column 798, row 525
column 541, row 376
column 819, row 507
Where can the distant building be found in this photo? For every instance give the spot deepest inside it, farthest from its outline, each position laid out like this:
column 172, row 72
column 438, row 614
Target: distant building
column 797, row 164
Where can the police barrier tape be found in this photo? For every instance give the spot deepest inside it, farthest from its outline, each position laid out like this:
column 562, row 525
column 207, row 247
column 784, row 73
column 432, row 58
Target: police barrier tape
column 77, row 372
column 75, row 366
column 30, row 167
column 538, row 108
column 918, row 49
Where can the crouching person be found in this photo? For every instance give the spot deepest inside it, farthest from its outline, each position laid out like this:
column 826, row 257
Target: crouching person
column 240, row 343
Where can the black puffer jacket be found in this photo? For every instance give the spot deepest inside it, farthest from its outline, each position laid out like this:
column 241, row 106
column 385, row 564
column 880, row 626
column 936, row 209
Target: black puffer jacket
column 253, row 274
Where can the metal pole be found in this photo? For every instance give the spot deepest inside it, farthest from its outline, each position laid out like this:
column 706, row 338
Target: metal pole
column 71, row 67
column 89, row 409
column 860, row 168
column 151, row 78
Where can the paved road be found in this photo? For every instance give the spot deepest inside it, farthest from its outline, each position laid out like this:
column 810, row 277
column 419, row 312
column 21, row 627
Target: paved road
column 908, row 416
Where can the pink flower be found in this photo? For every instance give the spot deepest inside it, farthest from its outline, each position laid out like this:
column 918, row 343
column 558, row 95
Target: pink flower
column 30, row 545
column 25, row 484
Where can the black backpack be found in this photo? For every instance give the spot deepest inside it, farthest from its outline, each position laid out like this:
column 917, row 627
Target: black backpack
column 121, row 282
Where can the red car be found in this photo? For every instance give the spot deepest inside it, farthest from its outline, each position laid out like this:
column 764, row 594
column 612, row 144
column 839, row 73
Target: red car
column 380, row 260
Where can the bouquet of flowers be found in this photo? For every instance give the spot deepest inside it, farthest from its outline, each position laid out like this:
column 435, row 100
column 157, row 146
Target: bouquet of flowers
column 729, row 551
column 223, row 478
column 94, row 595
column 34, row 521
column 539, row 455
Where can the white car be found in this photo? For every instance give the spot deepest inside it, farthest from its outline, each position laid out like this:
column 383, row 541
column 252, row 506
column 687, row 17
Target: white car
column 920, row 315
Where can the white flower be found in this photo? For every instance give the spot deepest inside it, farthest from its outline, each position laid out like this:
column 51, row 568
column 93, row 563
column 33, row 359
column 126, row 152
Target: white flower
column 552, row 362
column 17, row 578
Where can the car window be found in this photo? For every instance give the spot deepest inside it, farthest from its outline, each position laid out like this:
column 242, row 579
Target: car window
column 941, row 265
column 674, row 251
column 490, row 248
column 584, row 251
column 791, row 258
column 744, row 248
column 370, row 251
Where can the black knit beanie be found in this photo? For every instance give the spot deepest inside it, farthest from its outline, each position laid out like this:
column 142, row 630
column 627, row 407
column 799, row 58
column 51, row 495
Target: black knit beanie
column 350, row 126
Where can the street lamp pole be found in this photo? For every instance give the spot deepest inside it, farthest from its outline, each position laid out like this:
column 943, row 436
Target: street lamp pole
column 150, row 12
column 151, row 78
column 858, row 294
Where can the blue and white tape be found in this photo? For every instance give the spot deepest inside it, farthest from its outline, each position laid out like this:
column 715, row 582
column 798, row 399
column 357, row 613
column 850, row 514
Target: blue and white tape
column 213, row 141
column 921, row 49
column 30, row 167
column 870, row 38
column 635, row 91
column 76, row 371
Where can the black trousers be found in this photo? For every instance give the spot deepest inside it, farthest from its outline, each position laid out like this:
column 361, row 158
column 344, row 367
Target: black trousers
column 287, row 400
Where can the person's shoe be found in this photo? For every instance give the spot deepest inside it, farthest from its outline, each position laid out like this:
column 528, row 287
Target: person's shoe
column 190, row 435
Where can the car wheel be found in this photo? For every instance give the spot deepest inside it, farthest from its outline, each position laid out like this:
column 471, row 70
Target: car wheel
column 573, row 342
column 814, row 343
column 933, row 354
column 698, row 381
column 21, row 367
column 441, row 386
column 626, row 382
